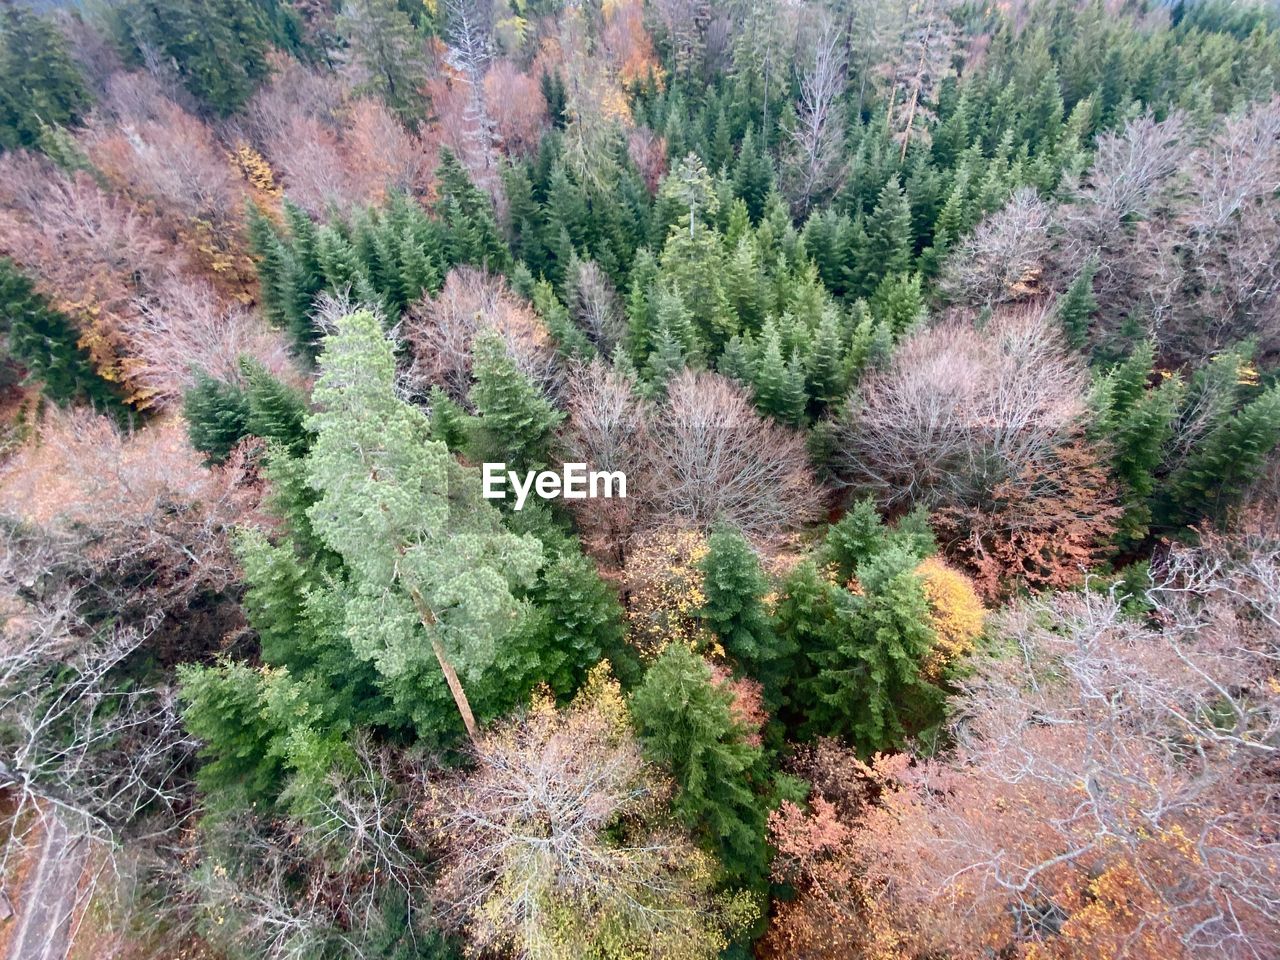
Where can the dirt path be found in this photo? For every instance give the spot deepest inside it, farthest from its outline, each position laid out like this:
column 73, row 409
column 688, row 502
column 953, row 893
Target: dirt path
column 47, row 900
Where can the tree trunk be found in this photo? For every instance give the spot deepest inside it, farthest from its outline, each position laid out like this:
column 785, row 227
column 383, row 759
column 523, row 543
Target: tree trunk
column 450, row 674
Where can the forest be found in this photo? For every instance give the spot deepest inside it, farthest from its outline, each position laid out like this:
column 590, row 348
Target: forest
column 938, row 342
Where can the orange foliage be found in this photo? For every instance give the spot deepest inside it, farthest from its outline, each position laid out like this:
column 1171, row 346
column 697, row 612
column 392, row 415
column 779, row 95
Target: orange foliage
column 518, row 108
column 629, row 45
column 1044, row 529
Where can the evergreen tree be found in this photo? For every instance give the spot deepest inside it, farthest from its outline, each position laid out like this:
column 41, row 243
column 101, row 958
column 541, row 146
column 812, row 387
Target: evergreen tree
column 752, row 176
column 40, row 84
column 779, row 385
column 276, row 411
column 869, row 686
column 472, row 234
column 686, row 723
column 889, row 234
column 734, row 610
column 217, row 415
column 515, row 423
column 383, row 42
column 424, row 553
column 1076, row 307
column 46, row 343
column 1229, row 457
column 219, row 47
column 1136, row 422
column 826, row 370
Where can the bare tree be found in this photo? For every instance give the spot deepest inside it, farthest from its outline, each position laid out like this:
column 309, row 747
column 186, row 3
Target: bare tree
column 961, row 409
column 816, row 163
column 594, row 306
column 440, row 331
column 557, row 836
column 607, row 429
column 1003, row 259
column 1114, row 785
column 713, row 458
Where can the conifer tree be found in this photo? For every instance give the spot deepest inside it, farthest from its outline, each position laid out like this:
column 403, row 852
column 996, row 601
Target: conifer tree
column 40, row 85
column 388, row 50
column 752, row 176
column 472, row 234
column 869, row 686
column 779, row 385
column 826, row 369
column 276, row 411
column 219, row 47
column 424, row 553
column 1229, row 457
column 889, row 232
column 515, row 423
column 217, row 415
column 734, row 611
column 1136, row 422
column 1076, row 307
column 46, row 343
column 686, row 723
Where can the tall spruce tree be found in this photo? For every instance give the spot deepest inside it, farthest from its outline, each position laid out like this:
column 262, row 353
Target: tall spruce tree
column 686, row 723
column 515, row 423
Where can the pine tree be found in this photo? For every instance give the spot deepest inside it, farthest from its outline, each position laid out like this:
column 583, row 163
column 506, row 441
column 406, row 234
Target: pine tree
column 217, row 415
column 276, row 411
column 752, row 176
column 1136, row 422
column 779, row 385
column 826, row 369
column 1230, row 457
column 515, row 423
column 472, row 234
column 686, row 723
column 424, row 553
column 1077, row 306
column 898, row 302
column 869, row 686
column 46, row 343
column 40, row 85
column 388, row 50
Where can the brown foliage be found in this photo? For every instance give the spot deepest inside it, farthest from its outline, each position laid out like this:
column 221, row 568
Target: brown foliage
column 1003, row 258
column 664, row 590
column 518, row 108
column 1114, row 789
column 142, row 504
column 1045, row 528
column 441, row 329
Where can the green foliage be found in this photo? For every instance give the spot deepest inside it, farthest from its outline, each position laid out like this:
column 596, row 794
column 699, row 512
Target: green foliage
column 277, row 411
column 218, row 47
column 734, row 611
column 515, row 423
column 861, row 534
column 1137, row 422
column 45, row 342
column 382, row 40
column 471, row 234
column 40, row 84
column 217, row 415
column 685, row 722
column 426, row 557
column 1077, row 306
column 868, row 685
column 1232, row 454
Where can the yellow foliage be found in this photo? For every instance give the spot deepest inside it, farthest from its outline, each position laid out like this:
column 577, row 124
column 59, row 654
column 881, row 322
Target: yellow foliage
column 254, row 169
column 665, row 587
column 956, row 613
